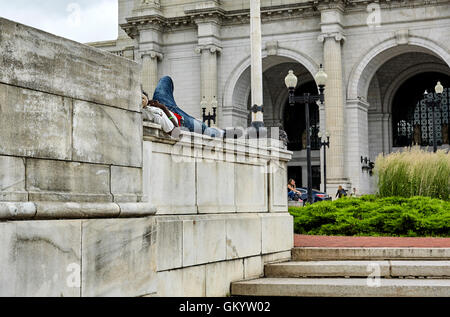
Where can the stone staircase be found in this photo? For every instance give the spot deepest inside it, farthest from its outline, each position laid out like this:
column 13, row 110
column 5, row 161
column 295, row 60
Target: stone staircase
column 350, row 272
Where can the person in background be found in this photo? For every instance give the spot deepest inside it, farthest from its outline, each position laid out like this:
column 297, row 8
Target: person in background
column 341, row 192
column 159, row 114
column 353, row 194
column 164, row 96
column 293, row 193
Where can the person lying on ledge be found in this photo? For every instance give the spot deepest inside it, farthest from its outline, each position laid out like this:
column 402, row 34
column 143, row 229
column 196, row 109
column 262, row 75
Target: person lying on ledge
column 163, row 98
column 159, row 114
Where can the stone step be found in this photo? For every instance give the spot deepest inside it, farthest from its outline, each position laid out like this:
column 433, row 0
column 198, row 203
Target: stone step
column 323, row 253
column 393, row 269
column 338, row 287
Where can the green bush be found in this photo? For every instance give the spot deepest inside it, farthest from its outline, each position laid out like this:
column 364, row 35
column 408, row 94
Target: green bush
column 374, row 216
column 414, row 172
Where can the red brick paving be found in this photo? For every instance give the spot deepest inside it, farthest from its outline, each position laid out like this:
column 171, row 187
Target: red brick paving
column 334, row 241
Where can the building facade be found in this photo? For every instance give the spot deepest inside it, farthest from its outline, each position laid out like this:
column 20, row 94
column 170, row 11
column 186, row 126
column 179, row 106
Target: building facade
column 379, row 56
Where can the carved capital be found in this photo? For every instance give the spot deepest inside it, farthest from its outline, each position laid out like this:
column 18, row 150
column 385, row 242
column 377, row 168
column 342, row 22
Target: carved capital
column 213, row 49
column 338, row 36
column 152, row 55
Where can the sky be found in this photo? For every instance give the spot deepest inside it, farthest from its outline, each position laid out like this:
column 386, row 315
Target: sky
column 79, row 20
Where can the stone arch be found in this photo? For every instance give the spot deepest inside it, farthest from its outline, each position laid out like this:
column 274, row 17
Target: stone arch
column 405, row 75
column 363, row 72
column 237, row 89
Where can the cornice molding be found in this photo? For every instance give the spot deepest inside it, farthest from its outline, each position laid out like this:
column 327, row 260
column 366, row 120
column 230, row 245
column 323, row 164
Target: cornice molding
column 270, row 13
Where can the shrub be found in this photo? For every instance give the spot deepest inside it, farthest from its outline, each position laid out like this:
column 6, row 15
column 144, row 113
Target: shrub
column 414, row 172
column 374, row 216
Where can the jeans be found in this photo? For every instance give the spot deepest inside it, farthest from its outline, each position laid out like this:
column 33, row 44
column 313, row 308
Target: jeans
column 164, row 94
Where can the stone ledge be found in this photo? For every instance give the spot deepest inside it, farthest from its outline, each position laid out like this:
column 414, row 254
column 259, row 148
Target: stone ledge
column 72, row 210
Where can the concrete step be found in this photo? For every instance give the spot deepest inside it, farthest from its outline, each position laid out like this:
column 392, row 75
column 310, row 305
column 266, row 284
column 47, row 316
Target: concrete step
column 340, row 254
column 393, row 269
column 338, row 287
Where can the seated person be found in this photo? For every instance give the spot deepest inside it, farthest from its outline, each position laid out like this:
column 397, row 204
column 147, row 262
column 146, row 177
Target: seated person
column 159, row 114
column 163, row 96
column 293, row 193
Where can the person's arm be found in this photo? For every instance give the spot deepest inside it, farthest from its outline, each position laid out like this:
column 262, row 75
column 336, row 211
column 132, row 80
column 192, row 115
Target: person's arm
column 166, row 111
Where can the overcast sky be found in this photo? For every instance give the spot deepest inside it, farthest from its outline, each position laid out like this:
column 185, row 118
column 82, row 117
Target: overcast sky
column 79, row 20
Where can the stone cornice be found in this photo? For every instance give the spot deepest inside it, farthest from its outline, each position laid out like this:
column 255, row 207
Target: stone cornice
column 270, row 13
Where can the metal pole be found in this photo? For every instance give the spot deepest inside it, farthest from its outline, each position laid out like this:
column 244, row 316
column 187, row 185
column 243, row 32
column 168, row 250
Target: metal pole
column 325, row 168
column 308, row 148
column 256, row 66
column 434, row 129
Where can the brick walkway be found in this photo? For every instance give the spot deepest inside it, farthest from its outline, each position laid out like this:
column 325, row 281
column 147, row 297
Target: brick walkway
column 330, row 241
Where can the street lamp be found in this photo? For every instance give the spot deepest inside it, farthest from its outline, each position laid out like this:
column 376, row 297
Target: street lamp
column 433, row 103
column 324, row 144
column 291, row 82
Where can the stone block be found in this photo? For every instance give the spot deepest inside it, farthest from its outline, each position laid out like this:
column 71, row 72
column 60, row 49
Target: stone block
column 119, row 257
column 251, row 188
column 243, row 236
column 170, row 244
column 187, row 282
column 126, row 184
column 278, row 200
column 128, row 210
column 253, row 267
column 215, row 189
column 40, row 258
column 204, row 240
column 41, row 61
column 106, row 135
column 67, row 181
column 12, row 179
column 220, row 275
column 277, row 232
column 277, row 257
column 34, row 124
column 17, row 210
column 75, row 210
column 169, row 196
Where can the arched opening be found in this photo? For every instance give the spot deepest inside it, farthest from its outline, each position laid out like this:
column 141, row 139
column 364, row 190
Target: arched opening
column 412, row 119
column 278, row 113
column 294, row 123
column 397, row 114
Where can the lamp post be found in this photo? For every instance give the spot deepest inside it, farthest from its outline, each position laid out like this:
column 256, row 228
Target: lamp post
column 324, row 144
column 291, row 82
column 435, row 101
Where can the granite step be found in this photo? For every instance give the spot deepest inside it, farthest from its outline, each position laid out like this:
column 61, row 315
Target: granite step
column 342, row 287
column 340, row 254
column 388, row 269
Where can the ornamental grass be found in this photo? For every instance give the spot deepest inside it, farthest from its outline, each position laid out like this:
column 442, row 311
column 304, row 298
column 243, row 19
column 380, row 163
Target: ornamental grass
column 414, row 172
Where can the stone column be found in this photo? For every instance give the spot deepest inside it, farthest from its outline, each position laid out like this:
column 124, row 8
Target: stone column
column 208, row 78
column 150, row 70
column 332, row 38
column 256, row 62
column 334, row 108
